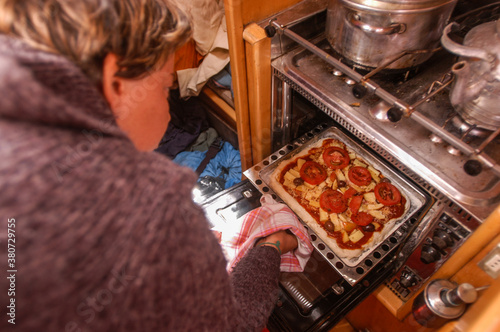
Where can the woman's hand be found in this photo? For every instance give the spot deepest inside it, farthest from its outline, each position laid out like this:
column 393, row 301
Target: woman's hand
column 288, row 242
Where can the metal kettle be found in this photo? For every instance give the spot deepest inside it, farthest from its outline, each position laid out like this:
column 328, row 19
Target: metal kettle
column 442, row 300
column 476, row 91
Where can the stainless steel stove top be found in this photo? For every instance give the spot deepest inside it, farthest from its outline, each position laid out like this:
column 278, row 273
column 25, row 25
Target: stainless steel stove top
column 407, row 140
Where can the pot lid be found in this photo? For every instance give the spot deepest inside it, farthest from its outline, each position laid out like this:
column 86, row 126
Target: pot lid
column 397, row 4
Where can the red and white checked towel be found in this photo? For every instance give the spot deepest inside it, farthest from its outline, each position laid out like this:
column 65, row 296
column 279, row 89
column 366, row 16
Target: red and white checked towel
column 260, row 222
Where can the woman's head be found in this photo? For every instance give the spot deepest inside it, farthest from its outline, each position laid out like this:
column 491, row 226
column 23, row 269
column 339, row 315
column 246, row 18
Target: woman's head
column 141, row 33
column 124, row 46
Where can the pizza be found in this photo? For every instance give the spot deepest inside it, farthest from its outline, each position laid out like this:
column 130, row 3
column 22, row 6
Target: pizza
column 346, row 201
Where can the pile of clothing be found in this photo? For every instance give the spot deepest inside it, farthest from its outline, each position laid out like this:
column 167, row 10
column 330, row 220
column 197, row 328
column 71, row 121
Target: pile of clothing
column 210, row 44
column 190, row 141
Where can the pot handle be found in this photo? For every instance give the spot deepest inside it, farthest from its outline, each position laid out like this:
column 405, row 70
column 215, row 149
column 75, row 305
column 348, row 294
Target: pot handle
column 394, row 28
column 461, row 50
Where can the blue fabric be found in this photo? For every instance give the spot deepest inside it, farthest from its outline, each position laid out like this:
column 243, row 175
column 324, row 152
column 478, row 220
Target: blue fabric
column 223, row 78
column 226, row 164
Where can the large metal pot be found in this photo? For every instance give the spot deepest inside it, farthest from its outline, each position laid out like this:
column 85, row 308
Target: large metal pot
column 476, row 91
column 369, row 32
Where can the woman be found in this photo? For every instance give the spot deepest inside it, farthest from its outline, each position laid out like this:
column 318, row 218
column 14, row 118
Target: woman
column 106, row 235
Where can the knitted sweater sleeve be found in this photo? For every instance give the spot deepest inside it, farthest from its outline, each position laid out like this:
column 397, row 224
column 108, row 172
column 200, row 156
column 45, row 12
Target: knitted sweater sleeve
column 255, row 285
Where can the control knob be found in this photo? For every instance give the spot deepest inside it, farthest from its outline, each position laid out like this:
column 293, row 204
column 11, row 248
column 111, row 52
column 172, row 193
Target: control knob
column 473, row 167
column 442, row 239
column 429, row 254
column 408, row 279
column 394, row 114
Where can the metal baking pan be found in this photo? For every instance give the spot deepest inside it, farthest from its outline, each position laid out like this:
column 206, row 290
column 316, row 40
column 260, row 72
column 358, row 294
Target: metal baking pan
column 355, row 268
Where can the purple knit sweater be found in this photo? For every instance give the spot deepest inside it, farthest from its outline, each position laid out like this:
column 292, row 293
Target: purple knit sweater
column 107, row 237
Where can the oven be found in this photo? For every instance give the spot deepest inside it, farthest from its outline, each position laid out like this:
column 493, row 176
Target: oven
column 406, row 121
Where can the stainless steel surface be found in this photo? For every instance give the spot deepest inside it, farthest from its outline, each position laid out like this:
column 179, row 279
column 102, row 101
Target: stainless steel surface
column 464, row 293
column 366, row 33
column 391, row 99
column 402, row 5
column 228, row 205
column 352, row 270
column 472, row 52
column 393, row 28
column 408, row 140
column 281, row 96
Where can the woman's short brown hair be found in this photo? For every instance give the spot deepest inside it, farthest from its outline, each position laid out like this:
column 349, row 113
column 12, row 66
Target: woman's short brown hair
column 142, row 33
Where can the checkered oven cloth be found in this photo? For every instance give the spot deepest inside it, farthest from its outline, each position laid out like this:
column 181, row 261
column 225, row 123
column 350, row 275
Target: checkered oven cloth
column 260, row 222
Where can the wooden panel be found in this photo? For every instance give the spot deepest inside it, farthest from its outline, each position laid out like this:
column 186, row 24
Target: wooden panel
column 342, row 326
column 258, row 56
column 389, row 299
column 254, row 11
column 234, row 20
column 240, row 13
column 481, row 316
column 373, row 316
column 472, row 273
column 484, row 315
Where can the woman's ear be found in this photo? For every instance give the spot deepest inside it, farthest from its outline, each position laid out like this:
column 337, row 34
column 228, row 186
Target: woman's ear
column 112, row 86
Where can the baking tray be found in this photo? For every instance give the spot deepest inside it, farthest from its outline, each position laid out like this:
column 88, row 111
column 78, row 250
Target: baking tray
column 353, row 269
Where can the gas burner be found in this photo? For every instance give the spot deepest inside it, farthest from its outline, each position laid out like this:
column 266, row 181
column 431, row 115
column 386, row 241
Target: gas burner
column 381, row 72
column 379, row 111
column 337, row 73
column 467, row 129
column 435, row 139
column 350, row 81
column 453, row 150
